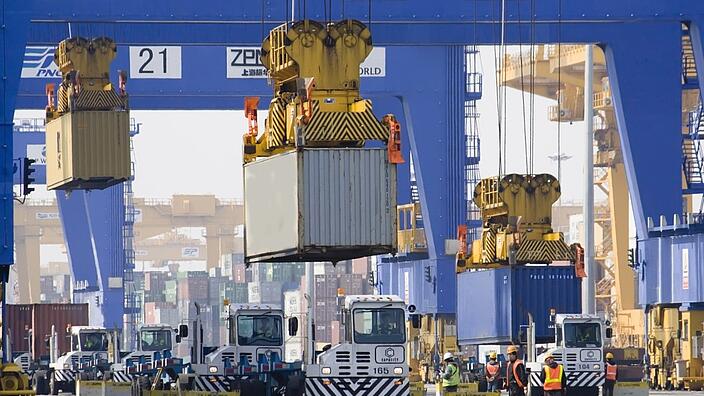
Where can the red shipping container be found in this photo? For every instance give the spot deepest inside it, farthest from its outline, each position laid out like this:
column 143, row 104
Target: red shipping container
column 39, row 318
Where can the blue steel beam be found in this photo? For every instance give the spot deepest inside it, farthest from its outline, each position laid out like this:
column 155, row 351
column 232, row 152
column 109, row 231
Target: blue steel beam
column 14, row 25
column 610, row 23
column 410, row 22
column 92, row 225
column 647, row 93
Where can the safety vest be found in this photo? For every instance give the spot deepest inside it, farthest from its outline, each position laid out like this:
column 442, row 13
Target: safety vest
column 454, row 378
column 553, row 378
column 515, row 374
column 492, row 369
column 611, row 371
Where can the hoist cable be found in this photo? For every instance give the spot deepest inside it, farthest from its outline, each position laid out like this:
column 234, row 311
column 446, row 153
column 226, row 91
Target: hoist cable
column 523, row 86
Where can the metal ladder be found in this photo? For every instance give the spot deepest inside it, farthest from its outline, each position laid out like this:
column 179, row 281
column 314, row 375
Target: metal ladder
column 692, row 151
column 473, row 92
column 132, row 310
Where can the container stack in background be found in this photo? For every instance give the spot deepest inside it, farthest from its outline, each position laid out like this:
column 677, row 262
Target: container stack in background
column 168, row 296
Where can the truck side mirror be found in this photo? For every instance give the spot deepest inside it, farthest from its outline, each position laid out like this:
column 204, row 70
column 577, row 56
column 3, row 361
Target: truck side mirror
column 292, row 326
column 415, row 321
column 178, row 338
column 183, row 331
column 47, row 342
column 609, row 332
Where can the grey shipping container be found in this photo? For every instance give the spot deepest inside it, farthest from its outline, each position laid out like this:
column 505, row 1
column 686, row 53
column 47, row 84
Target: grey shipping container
column 320, row 205
column 507, row 297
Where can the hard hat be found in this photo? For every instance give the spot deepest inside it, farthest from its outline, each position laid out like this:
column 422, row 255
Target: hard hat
column 549, row 356
column 492, row 355
column 512, row 349
column 447, row 356
column 609, row 355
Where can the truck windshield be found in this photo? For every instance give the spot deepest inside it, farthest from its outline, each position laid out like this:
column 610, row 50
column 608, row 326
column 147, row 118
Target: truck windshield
column 259, row 330
column 581, row 335
column 156, row 339
column 379, row 326
column 93, row 342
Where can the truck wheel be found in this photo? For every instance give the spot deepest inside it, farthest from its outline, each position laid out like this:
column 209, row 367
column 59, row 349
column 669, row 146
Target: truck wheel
column 41, row 383
column 53, row 385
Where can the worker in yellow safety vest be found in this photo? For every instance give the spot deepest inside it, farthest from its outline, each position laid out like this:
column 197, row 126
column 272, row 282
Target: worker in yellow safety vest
column 611, row 375
column 515, row 373
column 493, row 374
column 553, row 378
column 451, row 376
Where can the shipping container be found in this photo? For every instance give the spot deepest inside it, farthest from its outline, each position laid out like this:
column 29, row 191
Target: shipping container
column 88, row 150
column 284, row 218
column 504, row 297
column 39, row 318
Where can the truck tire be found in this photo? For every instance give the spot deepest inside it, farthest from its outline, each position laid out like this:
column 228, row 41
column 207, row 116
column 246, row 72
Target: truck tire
column 41, row 383
column 295, row 385
column 53, row 384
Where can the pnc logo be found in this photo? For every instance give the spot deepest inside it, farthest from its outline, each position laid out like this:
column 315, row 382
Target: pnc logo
column 39, row 63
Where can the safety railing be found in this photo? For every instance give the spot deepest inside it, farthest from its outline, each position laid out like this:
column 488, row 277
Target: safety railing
column 411, row 236
column 691, row 148
column 29, row 125
column 602, row 99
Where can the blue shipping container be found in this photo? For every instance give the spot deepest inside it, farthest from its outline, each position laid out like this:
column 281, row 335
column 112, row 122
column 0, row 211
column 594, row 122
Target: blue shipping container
column 492, row 305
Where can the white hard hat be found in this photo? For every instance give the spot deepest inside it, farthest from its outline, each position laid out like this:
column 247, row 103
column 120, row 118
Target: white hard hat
column 447, row 356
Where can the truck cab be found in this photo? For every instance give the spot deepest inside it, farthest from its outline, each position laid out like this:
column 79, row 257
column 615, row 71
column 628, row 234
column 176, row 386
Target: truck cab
column 579, row 347
column 88, row 345
column 372, row 356
column 154, row 342
column 255, row 338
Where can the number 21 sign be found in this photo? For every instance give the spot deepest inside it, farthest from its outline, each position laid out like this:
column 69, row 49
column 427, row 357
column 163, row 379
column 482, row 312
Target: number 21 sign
column 155, row 62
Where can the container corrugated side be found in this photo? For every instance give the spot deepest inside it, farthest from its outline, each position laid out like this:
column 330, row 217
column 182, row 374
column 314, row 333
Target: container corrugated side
column 349, row 198
column 88, row 149
column 506, row 297
column 40, row 318
column 320, row 205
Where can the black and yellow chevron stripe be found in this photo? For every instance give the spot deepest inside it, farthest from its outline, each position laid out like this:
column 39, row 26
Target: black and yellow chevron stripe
column 277, row 123
column 488, row 246
column 97, row 100
column 543, row 252
column 329, row 126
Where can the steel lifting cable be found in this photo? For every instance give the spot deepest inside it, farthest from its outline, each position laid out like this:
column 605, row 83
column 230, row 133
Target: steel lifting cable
column 532, row 87
column 559, row 87
column 523, row 86
column 503, row 85
column 496, row 86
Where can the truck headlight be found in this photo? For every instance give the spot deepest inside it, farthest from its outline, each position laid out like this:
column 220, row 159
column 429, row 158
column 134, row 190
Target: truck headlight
column 597, row 367
column 398, row 370
column 213, row 369
column 326, row 371
column 66, row 365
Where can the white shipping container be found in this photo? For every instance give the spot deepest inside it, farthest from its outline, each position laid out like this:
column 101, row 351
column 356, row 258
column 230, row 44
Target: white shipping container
column 284, row 217
column 254, row 291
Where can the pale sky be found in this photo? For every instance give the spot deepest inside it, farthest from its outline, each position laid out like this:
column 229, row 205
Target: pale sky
column 200, row 152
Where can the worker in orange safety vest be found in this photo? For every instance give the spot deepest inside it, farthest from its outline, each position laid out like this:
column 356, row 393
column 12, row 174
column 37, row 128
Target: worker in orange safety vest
column 553, row 378
column 493, row 374
column 611, row 375
column 515, row 373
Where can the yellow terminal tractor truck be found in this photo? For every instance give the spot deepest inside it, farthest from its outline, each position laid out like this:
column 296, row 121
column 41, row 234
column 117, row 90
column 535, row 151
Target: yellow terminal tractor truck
column 516, row 213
